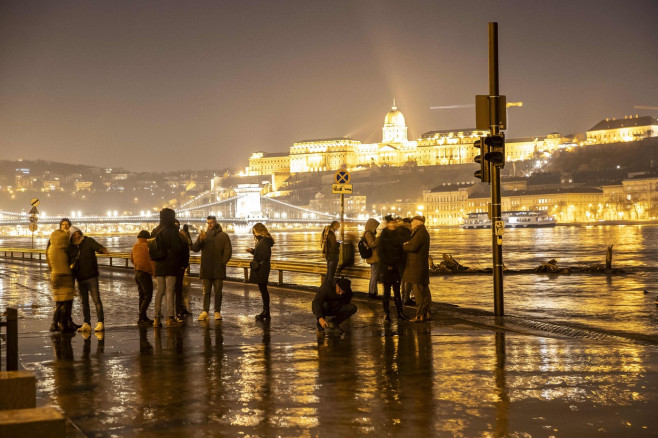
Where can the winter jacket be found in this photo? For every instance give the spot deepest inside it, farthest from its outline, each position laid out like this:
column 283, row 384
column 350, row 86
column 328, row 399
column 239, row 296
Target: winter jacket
column 177, row 249
column 58, row 262
column 332, row 247
column 417, row 269
column 216, row 251
column 262, row 254
column 391, row 255
column 327, row 294
column 139, row 256
column 404, row 233
column 85, row 252
column 371, row 239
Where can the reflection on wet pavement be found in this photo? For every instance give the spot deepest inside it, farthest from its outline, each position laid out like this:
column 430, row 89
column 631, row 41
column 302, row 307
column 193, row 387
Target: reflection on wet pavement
column 238, row 377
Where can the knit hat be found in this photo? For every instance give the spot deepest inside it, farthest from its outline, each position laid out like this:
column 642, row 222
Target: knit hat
column 345, row 285
column 419, row 218
column 74, row 230
column 144, row 235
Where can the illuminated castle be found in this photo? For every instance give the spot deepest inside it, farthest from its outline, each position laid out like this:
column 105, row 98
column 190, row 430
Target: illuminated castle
column 432, row 148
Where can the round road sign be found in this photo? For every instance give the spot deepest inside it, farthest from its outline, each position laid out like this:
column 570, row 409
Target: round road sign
column 342, row 177
column 34, row 202
column 33, row 227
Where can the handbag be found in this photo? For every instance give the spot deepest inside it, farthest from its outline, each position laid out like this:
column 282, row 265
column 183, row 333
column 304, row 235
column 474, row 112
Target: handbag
column 254, row 265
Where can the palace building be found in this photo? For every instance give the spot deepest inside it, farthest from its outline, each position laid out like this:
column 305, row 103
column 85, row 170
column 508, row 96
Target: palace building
column 627, row 129
column 433, row 148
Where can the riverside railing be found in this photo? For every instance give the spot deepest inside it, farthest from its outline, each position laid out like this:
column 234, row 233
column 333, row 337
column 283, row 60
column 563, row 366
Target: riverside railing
column 9, row 319
column 122, row 260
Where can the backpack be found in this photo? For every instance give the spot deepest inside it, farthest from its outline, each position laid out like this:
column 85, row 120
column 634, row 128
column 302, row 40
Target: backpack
column 323, row 240
column 157, row 250
column 364, row 250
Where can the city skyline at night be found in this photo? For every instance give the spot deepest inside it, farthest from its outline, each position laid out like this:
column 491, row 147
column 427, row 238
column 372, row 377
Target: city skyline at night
column 168, row 86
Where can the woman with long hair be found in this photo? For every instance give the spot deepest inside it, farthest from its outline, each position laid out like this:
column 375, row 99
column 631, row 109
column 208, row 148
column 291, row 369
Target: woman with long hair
column 61, row 278
column 260, row 266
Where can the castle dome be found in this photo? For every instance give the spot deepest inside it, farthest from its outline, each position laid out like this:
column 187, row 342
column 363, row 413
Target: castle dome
column 394, row 117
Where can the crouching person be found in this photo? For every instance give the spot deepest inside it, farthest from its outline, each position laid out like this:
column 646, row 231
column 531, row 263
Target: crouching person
column 333, row 299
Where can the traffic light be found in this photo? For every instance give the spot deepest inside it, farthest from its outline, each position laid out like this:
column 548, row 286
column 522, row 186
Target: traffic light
column 496, row 150
column 484, row 174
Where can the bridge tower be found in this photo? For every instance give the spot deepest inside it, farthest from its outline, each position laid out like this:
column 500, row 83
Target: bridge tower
column 248, row 202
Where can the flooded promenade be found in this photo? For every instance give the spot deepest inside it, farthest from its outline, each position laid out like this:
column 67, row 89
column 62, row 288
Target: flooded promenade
column 463, row 374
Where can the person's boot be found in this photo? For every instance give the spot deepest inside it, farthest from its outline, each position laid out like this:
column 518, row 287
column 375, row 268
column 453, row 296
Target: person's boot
column 398, row 306
column 264, row 315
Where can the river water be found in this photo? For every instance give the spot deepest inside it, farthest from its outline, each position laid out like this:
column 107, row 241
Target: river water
column 620, row 303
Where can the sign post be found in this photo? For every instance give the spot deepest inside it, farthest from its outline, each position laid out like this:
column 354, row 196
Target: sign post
column 342, row 186
column 34, row 218
column 496, row 123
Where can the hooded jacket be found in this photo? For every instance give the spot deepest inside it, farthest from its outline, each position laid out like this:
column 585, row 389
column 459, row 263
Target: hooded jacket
column 371, row 239
column 58, row 262
column 139, row 256
column 177, row 249
column 216, row 251
column 85, row 252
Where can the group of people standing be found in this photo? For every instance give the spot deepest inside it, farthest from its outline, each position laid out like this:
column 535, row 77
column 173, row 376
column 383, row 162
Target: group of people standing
column 164, row 254
column 399, row 259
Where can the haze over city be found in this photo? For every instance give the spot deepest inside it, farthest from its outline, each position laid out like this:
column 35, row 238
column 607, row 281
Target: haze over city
column 170, row 85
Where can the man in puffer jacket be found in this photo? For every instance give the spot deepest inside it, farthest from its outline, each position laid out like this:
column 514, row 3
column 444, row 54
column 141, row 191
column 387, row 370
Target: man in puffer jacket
column 167, row 268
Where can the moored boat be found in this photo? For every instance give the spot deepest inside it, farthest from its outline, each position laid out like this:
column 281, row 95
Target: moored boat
column 512, row 219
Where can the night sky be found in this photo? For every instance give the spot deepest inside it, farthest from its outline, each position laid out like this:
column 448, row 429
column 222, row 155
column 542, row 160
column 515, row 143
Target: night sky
column 165, row 85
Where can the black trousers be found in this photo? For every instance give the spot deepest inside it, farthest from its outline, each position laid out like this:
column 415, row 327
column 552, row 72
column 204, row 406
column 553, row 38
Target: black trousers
column 265, row 295
column 144, row 282
column 339, row 314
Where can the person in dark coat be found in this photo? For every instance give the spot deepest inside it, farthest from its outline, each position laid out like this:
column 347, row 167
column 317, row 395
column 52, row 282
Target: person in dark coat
column 333, row 299
column 82, row 254
column 417, row 270
column 391, row 258
column 331, row 249
column 169, row 267
column 260, row 271
column 216, row 251
column 181, row 293
column 404, row 231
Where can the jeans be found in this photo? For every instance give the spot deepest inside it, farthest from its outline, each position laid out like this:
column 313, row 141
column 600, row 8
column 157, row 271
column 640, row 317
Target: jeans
column 331, row 269
column 90, row 286
column 374, row 273
column 208, row 285
column 166, row 284
column 423, row 298
column 144, row 282
column 182, row 294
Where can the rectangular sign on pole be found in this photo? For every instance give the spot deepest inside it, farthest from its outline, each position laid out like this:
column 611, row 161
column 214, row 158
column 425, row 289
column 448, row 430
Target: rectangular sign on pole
column 341, row 189
column 483, row 119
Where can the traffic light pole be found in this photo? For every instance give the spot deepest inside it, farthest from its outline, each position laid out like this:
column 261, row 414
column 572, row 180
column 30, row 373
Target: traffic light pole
column 496, row 213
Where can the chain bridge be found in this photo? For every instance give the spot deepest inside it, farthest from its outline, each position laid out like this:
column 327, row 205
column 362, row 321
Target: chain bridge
column 242, row 209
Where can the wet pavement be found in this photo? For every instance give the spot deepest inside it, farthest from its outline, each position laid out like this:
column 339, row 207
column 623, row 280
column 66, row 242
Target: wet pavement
column 463, row 374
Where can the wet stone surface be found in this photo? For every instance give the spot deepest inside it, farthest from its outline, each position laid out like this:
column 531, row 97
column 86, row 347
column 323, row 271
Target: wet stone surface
column 239, row 377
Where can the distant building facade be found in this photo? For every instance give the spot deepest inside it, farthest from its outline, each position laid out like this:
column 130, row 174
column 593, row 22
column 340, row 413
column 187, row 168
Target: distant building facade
column 627, row 129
